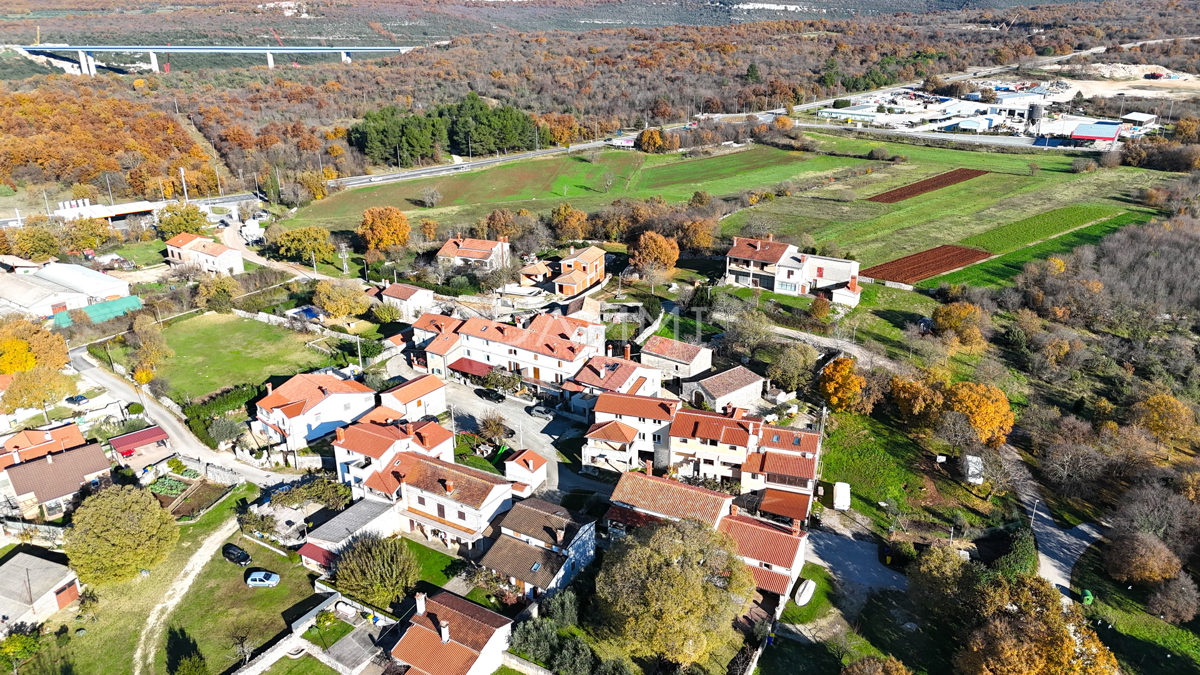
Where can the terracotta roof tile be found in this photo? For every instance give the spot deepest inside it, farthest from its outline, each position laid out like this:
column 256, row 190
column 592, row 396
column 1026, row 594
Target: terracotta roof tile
column 585, row 255
column 471, row 486
column 758, row 250
column 401, row 291
column 415, row 388
column 671, row 349
column 527, row 459
column 636, row 406
column 669, row 498
column 374, row 440
column 422, row 648
column 521, row 338
column 470, row 624
column 37, row 442
column 769, row 580
column 605, row 372
column 437, row 323
column 734, row 379
column 760, row 540
column 183, row 239
column 787, row 504
column 476, row 249
column 615, row 431
column 629, row 517
column 442, row 344
column 540, row 520
column 317, row 554
column 565, row 327
column 58, row 474
column 714, row 426
column 307, row 390
column 135, row 440
column 790, row 440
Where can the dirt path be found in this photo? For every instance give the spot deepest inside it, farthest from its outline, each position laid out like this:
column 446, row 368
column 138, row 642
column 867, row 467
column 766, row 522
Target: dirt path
column 143, row 659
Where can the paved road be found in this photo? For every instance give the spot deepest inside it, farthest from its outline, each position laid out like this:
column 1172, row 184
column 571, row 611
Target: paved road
column 853, row 562
column 1058, row 549
column 233, row 239
column 181, row 437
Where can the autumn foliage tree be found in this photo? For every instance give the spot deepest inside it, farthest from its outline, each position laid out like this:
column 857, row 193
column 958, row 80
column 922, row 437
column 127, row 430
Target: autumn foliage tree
column 654, row 250
column 568, row 223
column 963, row 320
column 985, row 406
column 340, row 298
column 1140, row 558
column 384, row 227
column 1166, row 417
column 117, row 532
column 82, row 234
column 305, row 244
column 841, row 384
column 919, row 400
column 650, row 140
column 35, row 242
column 875, row 665
column 177, row 218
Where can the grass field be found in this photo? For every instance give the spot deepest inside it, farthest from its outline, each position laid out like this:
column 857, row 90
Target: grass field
column 1144, row 644
column 822, row 599
column 109, row 643
column 1022, row 233
column 1000, row 271
column 219, row 350
column 327, row 637
column 305, row 665
column 541, row 184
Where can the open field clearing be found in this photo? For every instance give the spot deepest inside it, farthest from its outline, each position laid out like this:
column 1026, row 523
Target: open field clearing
column 913, row 268
column 1022, row 233
column 928, row 185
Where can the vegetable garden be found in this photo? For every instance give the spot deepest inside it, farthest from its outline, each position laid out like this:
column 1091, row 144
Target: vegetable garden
column 928, row 185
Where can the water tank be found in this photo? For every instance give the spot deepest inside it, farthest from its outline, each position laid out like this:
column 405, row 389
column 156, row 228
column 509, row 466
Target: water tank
column 1036, row 112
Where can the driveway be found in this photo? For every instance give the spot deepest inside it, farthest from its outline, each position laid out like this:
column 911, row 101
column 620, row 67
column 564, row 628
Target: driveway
column 853, row 562
column 533, row 433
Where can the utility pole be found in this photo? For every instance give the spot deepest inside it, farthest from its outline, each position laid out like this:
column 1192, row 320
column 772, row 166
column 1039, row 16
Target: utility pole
column 109, row 184
column 220, row 190
column 46, row 201
column 183, row 179
column 358, row 347
column 314, row 260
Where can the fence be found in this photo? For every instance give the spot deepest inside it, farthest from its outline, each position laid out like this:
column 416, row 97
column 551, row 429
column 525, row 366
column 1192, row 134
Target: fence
column 295, row 324
column 522, row 666
column 48, row 535
column 322, row 585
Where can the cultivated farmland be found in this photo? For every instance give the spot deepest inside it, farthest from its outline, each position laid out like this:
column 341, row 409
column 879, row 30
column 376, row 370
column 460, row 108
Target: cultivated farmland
column 913, row 268
column 928, row 185
column 1042, row 226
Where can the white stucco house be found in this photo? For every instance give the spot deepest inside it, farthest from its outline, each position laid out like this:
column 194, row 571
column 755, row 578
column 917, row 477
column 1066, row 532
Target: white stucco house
column 309, row 406
column 412, row 301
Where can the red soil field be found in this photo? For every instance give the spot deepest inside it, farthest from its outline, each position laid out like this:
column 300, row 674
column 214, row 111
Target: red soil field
column 928, row 185
column 913, row 268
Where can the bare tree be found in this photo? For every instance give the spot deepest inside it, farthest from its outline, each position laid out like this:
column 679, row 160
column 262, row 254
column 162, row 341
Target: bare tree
column 431, row 197
column 608, row 178
column 238, row 636
column 956, row 430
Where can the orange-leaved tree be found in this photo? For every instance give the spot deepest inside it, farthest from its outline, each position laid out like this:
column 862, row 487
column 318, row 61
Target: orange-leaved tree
column 1168, row 418
column 384, row 227
column 654, row 250
column 841, row 384
column 569, row 223
column 650, row 140
column 985, row 406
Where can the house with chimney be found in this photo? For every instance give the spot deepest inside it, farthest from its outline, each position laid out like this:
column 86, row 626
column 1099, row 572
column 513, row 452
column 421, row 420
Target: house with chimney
column 540, row 547
column 423, row 395
column 579, row 271
column 601, row 374
column 781, row 470
column 412, row 301
column 309, row 406
column 192, row 249
column 483, row 255
column 773, row 553
column 709, row 444
column 435, row 344
column 526, row 470
column 739, row 387
column 781, row 268
column 675, row 359
column 628, row 431
column 450, row 635
column 49, row 486
column 589, row 333
column 362, row 448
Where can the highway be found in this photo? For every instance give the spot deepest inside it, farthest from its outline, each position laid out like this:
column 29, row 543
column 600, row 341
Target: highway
column 211, row 49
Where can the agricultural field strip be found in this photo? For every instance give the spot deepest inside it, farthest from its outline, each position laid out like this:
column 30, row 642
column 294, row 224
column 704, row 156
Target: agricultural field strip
column 928, row 185
column 913, row 268
column 1014, row 236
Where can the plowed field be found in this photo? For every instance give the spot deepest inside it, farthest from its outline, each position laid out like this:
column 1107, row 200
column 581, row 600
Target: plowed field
column 913, row 268
column 928, row 185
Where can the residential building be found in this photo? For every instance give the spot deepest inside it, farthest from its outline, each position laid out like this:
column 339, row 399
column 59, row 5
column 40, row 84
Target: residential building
column 526, row 470
column 541, row 546
column 192, row 249
column 47, row 486
column 713, row 444
column 628, row 431
column 781, row 268
column 360, row 449
column 601, row 374
column 774, row 553
column 32, row 589
column 481, row 254
column 435, row 341
column 17, row 265
column 151, row 439
column 423, row 395
column 444, row 502
column 309, row 406
column 676, row 359
column 589, row 333
column 782, row 471
column 739, row 387
column 534, row 274
column 579, row 271
column 33, row 443
column 450, row 635
column 412, row 301
column 366, row 516
column 98, row 286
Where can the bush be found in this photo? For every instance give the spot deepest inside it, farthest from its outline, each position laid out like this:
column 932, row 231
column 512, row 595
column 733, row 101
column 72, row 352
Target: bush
column 136, row 408
column 842, row 103
column 330, row 493
column 1175, row 601
column 1084, row 165
column 1140, row 558
column 574, row 657
column 176, row 465
column 878, row 153
column 903, row 553
column 385, row 313
column 563, row 609
column 537, row 640
column 223, row 429
column 614, row 667
column 1021, row 559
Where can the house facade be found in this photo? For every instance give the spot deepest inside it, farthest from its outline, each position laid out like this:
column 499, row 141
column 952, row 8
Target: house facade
column 192, row 249
column 601, row 374
column 450, row 635
column 782, row 470
column 541, row 546
column 579, row 271
column 481, row 254
column 49, row 486
column 676, row 359
column 738, row 387
column 309, row 406
column 361, row 449
column 712, row 444
column 781, row 268
column 628, row 431
column 526, row 470
column 412, row 301
column 423, row 395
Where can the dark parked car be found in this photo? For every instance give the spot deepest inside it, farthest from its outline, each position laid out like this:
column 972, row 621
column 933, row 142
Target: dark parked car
column 236, row 555
column 77, row 400
column 429, row 418
column 491, row 395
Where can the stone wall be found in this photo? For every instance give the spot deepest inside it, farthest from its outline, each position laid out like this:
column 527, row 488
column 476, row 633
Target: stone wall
column 522, row 666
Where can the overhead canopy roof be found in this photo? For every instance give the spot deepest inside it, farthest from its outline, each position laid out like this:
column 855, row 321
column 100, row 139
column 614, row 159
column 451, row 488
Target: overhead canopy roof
column 471, row 367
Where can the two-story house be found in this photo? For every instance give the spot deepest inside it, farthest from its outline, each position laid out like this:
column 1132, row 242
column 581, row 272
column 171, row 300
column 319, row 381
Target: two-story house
column 568, row 328
column 713, row 444
column 781, row 268
column 444, row 502
column 541, row 546
column 629, row 431
column 363, row 448
column 601, row 374
column 482, row 254
column 309, row 406
column 423, row 395
column 412, row 301
column 675, row 359
column 48, row 486
column 782, row 471
column 579, row 271
column 450, row 635
column 774, row 553
column 192, row 249
column 435, row 343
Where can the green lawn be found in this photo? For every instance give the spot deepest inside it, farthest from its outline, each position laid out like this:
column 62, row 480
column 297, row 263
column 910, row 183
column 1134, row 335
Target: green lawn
column 1144, row 644
column 1000, row 271
column 434, row 564
column 788, row 657
column 327, row 637
column 822, row 599
column 219, row 350
column 1022, row 233
column 505, row 670
column 109, row 643
column 305, row 665
column 687, row 329
column 882, row 314
column 144, row 253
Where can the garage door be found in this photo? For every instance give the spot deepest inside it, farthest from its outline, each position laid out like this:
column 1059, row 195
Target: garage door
column 67, row 594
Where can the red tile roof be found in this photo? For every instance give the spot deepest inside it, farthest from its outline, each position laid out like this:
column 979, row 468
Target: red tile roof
column 373, row 439
column 475, row 249
column 791, row 440
column 557, row 325
column 442, row 344
column 33, row 443
column 760, row 540
column 58, row 474
column 527, row 459
column 669, row 498
column 317, row 554
column 758, row 250
column 769, row 580
column 130, row 442
column 521, row 338
column 786, row 504
column 471, row 627
column 630, row 517
column 471, row 367
column 612, row 430
column 302, row 392
column 415, row 388
column 183, row 239
column 471, row 486
column 707, row 425
column 671, row 349
column 437, row 323
column 605, row 372
column 636, row 406
column 401, row 291
column 734, row 379
column 585, row 255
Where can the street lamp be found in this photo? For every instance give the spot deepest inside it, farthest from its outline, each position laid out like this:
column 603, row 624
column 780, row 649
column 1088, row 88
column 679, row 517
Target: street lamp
column 1033, row 519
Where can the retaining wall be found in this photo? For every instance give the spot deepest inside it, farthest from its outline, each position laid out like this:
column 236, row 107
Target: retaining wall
column 522, row 666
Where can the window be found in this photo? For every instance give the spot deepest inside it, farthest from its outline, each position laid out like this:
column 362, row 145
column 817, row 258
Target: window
column 421, row 501
column 785, row 286
column 733, row 447
column 468, row 351
column 790, row 273
column 775, row 438
column 462, row 515
column 641, row 436
column 796, row 440
column 418, row 403
column 708, row 462
column 512, row 352
column 658, row 438
column 642, row 420
column 767, row 566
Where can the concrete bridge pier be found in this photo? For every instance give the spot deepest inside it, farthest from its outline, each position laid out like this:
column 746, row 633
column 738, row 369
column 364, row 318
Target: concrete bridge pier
column 270, row 61
column 87, row 64
column 345, row 57
column 153, row 62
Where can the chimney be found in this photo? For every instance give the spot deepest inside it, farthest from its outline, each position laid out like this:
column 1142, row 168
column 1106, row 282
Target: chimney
column 445, row 632
column 558, row 536
column 733, row 509
column 626, row 351
column 420, row 597
column 270, row 388
column 49, row 436
column 324, row 391
column 770, row 236
column 572, row 250
column 649, row 467
column 609, row 350
column 449, row 487
column 50, row 458
column 795, row 527
column 341, row 434
column 728, row 410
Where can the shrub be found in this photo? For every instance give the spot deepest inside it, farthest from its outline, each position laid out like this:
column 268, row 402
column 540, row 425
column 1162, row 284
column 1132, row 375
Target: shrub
column 1140, row 558
column 330, row 493
column 176, row 465
column 385, row 313
column 136, row 408
column 563, row 609
column 1084, row 165
column 1175, row 601
column 537, row 640
column 903, row 553
column 878, row 153
column 376, row 570
column 1022, row 557
column 223, row 429
column 842, row 103
column 574, row 657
